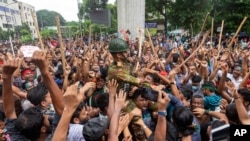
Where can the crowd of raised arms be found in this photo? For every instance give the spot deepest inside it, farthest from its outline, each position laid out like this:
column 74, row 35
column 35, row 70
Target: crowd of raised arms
column 170, row 88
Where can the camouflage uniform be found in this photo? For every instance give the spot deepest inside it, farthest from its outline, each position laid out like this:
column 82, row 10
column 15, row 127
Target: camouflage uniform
column 122, row 71
column 123, row 75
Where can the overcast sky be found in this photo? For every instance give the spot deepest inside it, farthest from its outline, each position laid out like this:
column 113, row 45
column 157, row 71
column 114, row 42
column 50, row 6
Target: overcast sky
column 67, row 8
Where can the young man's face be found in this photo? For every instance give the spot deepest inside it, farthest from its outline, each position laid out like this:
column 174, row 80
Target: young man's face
column 197, row 103
column 141, row 103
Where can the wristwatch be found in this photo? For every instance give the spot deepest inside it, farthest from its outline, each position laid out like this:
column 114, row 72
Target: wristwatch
column 171, row 83
column 162, row 113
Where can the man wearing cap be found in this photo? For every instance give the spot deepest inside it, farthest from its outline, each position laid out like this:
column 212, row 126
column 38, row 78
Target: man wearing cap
column 28, row 77
column 120, row 69
column 211, row 100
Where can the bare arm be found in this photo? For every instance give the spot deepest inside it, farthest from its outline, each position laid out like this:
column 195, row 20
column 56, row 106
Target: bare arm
column 244, row 81
column 161, row 127
column 242, row 112
column 18, row 92
column 8, row 101
column 72, row 98
column 114, row 123
column 55, row 92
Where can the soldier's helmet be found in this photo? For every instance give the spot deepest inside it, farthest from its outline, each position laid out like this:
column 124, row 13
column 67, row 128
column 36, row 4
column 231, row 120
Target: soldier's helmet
column 118, row 45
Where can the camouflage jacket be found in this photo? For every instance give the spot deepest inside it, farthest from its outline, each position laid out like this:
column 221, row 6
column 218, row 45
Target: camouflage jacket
column 123, row 75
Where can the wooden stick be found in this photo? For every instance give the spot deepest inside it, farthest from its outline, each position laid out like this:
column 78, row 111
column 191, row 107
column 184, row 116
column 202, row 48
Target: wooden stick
column 202, row 28
column 237, row 32
column 139, row 49
column 151, row 43
column 221, row 31
column 90, row 30
column 37, row 30
column 192, row 32
column 193, row 53
column 212, row 32
column 204, row 23
column 61, row 42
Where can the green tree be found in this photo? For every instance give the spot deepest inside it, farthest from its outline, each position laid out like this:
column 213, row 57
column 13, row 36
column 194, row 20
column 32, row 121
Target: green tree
column 96, row 28
column 25, row 36
column 47, row 18
column 232, row 12
column 4, row 35
column 47, row 33
column 18, row 29
column 158, row 9
column 185, row 12
column 91, row 5
column 23, row 33
column 114, row 23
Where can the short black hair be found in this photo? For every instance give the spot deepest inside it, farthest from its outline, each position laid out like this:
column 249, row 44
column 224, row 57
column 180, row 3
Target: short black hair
column 102, row 101
column 186, row 90
column 138, row 92
column 37, row 94
column 77, row 112
column 245, row 93
column 29, row 123
column 155, row 78
column 232, row 113
column 196, row 79
column 183, row 119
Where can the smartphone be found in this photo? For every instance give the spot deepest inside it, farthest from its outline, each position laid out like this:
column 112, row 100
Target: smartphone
column 150, row 94
column 220, row 133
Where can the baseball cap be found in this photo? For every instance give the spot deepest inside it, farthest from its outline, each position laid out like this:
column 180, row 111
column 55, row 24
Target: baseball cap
column 94, row 128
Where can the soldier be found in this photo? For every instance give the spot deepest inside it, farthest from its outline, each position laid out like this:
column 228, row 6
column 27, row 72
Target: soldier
column 120, row 69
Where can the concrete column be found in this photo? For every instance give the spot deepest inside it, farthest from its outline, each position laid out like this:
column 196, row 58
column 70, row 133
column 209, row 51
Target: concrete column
column 131, row 15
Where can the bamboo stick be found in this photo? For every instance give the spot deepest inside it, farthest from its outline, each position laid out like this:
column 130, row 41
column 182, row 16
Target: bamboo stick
column 152, row 45
column 192, row 32
column 212, row 32
column 61, row 41
column 193, row 53
column 37, row 30
column 221, row 31
column 237, row 32
column 202, row 27
column 139, row 49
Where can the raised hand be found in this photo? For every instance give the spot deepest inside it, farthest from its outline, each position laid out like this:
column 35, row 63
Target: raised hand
column 71, row 97
column 86, row 87
column 128, row 138
column 67, row 70
column 112, row 87
column 120, row 100
column 204, row 64
column 39, row 59
column 9, row 67
column 162, row 101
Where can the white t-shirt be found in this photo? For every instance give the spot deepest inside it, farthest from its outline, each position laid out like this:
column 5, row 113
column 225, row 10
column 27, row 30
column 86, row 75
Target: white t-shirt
column 75, row 132
column 230, row 76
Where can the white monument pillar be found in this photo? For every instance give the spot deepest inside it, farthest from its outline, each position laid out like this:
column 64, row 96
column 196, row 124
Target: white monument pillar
column 131, row 16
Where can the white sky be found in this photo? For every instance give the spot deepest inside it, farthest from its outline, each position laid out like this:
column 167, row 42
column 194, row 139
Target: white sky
column 67, row 8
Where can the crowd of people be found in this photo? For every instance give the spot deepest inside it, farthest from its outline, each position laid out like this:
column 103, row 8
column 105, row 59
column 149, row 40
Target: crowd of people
column 174, row 88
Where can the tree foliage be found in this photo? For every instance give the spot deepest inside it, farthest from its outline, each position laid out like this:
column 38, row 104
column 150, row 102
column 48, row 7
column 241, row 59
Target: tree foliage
column 186, row 12
column 158, row 9
column 47, row 33
column 3, row 34
column 183, row 13
column 91, row 5
column 88, row 5
column 47, row 18
column 232, row 12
